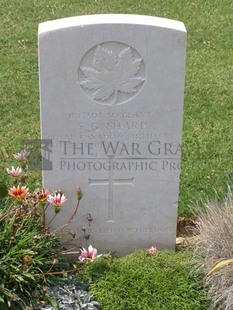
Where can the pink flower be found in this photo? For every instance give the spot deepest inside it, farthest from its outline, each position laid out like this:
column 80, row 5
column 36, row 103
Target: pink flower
column 22, row 156
column 90, row 254
column 19, row 193
column 57, row 199
column 14, row 172
column 152, row 250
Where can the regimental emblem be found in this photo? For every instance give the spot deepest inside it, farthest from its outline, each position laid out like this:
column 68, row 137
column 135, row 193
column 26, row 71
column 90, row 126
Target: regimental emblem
column 111, row 73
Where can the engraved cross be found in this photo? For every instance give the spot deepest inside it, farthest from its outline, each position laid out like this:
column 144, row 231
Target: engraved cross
column 111, row 182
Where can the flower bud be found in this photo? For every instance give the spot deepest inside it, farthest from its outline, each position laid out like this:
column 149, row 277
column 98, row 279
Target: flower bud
column 79, row 193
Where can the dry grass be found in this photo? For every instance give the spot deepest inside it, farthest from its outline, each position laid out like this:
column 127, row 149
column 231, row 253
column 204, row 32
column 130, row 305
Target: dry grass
column 215, row 226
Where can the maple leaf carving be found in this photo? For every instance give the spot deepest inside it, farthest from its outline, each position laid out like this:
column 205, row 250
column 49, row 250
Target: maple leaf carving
column 110, row 73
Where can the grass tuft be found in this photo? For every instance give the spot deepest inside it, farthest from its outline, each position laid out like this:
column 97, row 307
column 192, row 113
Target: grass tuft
column 215, row 247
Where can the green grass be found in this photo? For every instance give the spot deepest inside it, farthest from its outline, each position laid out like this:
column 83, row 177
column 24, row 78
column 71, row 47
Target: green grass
column 153, row 282
column 207, row 133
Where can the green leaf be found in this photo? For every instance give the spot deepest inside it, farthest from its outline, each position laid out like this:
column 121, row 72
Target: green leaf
column 52, row 300
column 3, row 304
column 3, row 190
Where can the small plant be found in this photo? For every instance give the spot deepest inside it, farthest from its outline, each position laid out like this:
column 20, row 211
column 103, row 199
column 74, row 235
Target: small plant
column 71, row 295
column 31, row 254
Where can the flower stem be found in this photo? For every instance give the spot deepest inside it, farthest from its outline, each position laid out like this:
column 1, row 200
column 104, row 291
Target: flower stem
column 70, row 219
column 63, row 226
column 73, row 215
column 46, row 206
column 43, row 215
column 51, row 219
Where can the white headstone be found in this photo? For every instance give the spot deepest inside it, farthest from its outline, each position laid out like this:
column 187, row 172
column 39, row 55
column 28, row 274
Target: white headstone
column 111, row 91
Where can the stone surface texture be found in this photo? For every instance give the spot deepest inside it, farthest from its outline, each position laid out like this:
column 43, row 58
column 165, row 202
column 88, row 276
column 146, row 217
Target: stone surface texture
column 112, row 92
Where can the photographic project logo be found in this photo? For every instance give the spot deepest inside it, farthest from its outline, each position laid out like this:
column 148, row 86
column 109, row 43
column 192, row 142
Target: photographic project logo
column 40, row 154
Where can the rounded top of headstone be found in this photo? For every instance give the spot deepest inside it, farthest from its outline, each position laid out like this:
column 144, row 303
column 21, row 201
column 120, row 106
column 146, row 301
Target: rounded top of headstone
column 110, row 19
